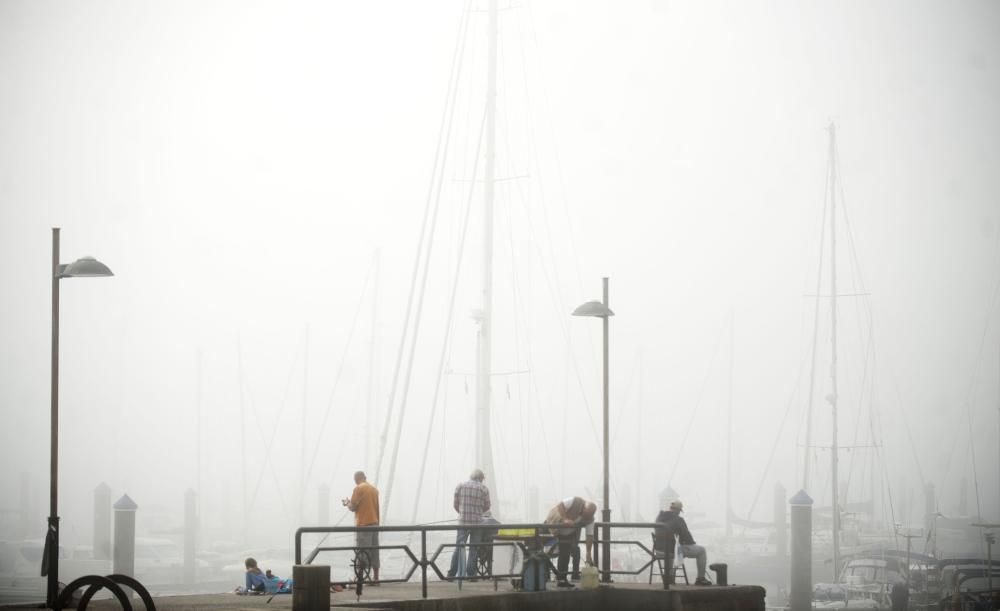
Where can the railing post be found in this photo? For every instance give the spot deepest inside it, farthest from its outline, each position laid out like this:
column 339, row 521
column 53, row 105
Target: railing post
column 423, row 562
column 298, row 546
column 666, row 567
column 596, row 548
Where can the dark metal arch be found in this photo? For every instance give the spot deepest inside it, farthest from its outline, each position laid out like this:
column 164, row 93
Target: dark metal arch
column 139, row 589
column 96, row 582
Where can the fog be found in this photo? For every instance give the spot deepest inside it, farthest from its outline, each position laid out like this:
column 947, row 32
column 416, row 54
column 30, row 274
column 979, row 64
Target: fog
column 256, row 175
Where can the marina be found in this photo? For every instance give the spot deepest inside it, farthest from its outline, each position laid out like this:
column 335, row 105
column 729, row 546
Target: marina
column 497, row 304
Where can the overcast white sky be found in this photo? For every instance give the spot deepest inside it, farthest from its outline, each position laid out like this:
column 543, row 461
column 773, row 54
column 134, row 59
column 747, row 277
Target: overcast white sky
column 238, row 165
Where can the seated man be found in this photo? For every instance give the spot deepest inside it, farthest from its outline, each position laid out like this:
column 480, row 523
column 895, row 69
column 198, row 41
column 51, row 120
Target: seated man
column 676, row 524
column 568, row 517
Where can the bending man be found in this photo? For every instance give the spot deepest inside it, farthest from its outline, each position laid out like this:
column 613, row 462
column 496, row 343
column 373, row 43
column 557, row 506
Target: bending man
column 570, row 515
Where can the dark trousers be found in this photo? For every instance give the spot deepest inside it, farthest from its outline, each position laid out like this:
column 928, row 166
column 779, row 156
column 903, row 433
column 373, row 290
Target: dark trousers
column 569, row 547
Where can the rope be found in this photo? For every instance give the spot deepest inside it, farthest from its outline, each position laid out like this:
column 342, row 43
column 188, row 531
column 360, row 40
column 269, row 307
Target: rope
column 340, row 371
column 972, row 452
column 270, row 442
column 815, row 341
column 694, row 412
column 450, row 321
column 436, row 168
column 465, row 225
column 774, row 446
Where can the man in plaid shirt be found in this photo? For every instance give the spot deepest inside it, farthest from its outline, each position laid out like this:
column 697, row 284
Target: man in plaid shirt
column 472, row 500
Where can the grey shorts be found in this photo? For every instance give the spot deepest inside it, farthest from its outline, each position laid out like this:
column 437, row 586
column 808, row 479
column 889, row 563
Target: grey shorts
column 369, row 540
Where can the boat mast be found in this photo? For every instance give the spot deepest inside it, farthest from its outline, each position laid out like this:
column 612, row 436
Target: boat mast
column 835, row 510
column 729, row 430
column 302, row 437
column 484, row 451
column 370, row 418
column 243, row 441
column 197, row 443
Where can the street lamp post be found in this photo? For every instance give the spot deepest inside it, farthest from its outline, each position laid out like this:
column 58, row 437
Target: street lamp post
column 600, row 309
column 86, row 267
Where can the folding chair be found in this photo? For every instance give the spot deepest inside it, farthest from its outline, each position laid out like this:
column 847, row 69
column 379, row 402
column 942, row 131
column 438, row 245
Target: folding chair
column 679, row 565
column 658, row 558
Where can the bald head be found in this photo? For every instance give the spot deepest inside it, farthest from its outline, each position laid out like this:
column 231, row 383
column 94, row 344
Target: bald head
column 359, row 476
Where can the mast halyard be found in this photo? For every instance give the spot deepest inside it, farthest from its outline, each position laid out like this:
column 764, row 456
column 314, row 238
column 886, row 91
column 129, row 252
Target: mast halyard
column 372, row 407
column 243, row 443
column 729, row 430
column 835, row 505
column 302, row 437
column 483, row 447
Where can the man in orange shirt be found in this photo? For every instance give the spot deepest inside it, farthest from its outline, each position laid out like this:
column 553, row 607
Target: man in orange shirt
column 364, row 504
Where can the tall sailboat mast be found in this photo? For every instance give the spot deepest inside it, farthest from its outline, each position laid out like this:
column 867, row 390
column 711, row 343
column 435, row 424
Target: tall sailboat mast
column 729, row 429
column 484, row 449
column 835, row 509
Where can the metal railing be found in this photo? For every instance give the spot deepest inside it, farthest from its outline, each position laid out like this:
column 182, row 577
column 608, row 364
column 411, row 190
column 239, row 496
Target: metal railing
column 537, row 545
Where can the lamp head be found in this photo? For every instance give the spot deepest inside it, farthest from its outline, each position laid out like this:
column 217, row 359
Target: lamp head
column 596, row 309
column 86, row 267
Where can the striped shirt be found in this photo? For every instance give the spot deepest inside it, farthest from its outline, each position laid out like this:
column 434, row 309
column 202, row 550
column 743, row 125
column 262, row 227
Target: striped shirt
column 473, row 499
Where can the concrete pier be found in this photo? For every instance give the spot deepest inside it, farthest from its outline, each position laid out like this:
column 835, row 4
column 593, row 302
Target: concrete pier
column 480, row 596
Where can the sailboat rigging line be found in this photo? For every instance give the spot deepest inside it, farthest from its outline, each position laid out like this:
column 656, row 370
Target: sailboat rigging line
column 340, row 370
column 515, row 292
column 774, row 446
column 327, row 535
column 857, row 423
column 555, row 297
column 371, row 397
column 515, row 295
column 243, row 437
column 906, row 425
column 886, row 486
column 627, row 395
column 972, row 452
column 449, row 325
column 558, row 302
column 815, row 339
column 697, row 405
column 555, row 272
column 864, row 308
column 430, row 423
column 974, row 378
column 270, row 442
column 457, row 62
column 437, row 168
column 539, row 65
column 420, row 303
